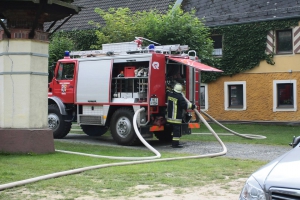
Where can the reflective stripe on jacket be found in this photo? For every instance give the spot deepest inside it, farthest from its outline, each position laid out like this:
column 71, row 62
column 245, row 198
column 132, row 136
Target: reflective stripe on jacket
column 176, row 105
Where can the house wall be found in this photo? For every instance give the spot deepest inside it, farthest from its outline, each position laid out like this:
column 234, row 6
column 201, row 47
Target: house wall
column 283, row 63
column 259, row 92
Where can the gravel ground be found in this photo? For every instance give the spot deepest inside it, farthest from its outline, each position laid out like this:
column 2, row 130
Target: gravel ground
column 234, row 150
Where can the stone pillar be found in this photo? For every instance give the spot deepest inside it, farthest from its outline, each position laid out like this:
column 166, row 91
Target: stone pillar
column 23, row 96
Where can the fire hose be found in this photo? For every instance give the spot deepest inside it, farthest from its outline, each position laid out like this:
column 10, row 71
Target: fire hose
column 137, row 160
column 249, row 136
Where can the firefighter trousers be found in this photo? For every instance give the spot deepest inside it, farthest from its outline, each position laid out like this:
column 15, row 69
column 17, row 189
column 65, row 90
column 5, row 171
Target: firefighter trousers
column 176, row 132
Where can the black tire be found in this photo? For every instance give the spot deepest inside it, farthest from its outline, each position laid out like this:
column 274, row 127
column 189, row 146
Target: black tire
column 56, row 123
column 121, row 127
column 166, row 135
column 92, row 130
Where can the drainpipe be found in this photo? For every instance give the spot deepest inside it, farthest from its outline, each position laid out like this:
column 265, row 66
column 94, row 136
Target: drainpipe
column 177, row 4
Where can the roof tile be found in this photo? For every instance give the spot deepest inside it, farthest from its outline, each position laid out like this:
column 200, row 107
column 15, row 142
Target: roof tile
column 216, row 12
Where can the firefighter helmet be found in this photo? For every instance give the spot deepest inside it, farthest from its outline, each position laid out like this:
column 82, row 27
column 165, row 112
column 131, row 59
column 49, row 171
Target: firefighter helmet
column 177, row 88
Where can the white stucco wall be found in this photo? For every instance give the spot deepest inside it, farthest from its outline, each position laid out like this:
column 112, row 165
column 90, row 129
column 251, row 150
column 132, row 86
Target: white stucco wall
column 23, row 83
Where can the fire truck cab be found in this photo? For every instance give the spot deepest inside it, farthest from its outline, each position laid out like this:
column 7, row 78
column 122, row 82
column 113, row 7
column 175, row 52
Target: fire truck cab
column 102, row 89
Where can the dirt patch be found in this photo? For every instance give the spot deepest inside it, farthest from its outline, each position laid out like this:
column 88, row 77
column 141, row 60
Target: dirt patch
column 228, row 191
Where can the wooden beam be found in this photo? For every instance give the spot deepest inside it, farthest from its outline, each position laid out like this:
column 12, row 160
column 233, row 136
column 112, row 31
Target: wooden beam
column 61, row 24
column 36, row 19
column 52, row 24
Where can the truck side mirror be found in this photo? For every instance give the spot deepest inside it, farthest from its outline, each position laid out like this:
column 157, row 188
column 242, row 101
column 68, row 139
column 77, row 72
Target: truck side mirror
column 295, row 141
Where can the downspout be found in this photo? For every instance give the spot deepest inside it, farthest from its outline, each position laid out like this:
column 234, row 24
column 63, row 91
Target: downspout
column 177, row 4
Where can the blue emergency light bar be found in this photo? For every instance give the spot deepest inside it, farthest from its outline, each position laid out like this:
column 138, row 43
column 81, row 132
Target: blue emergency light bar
column 67, row 54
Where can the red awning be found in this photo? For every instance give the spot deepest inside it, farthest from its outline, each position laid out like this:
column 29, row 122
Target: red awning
column 195, row 64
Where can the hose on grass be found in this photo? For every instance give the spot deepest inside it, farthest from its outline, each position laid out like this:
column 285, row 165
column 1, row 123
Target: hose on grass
column 248, row 136
column 137, row 160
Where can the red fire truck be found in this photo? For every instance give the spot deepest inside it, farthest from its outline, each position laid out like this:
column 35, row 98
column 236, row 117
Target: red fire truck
column 102, row 89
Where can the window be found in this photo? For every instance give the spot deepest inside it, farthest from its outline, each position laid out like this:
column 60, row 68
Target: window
column 284, row 95
column 284, row 42
column 217, row 39
column 65, row 71
column 235, row 95
column 203, row 97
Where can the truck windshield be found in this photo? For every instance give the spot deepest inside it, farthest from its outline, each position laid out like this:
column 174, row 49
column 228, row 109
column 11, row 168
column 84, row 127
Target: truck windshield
column 65, row 71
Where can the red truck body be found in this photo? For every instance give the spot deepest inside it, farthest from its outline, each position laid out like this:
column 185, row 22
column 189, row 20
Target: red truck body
column 102, row 90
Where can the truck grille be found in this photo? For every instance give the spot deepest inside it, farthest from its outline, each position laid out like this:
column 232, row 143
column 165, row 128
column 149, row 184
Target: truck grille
column 90, row 119
column 284, row 194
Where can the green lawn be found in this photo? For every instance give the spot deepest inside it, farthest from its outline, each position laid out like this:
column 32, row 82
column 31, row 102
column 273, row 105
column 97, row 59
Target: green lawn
column 120, row 181
column 113, row 181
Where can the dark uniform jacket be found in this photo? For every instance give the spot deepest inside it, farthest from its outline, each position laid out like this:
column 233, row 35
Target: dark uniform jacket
column 176, row 105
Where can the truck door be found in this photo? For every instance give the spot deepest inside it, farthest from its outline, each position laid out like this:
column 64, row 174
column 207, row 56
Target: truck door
column 193, row 77
column 63, row 84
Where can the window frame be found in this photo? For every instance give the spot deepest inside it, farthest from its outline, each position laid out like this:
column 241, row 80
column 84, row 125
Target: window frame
column 205, row 96
column 61, row 72
column 220, row 54
column 275, row 96
column 226, row 95
column 278, row 52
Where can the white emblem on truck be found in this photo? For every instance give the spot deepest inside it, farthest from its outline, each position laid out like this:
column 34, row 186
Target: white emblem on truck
column 155, row 65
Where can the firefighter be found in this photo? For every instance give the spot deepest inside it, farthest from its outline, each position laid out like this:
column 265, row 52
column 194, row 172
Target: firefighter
column 176, row 105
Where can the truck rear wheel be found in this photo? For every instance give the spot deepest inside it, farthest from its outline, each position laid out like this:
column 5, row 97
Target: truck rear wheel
column 92, row 130
column 121, row 127
column 56, row 123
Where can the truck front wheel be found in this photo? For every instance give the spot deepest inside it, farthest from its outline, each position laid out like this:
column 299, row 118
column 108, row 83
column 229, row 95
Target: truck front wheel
column 121, row 127
column 56, row 123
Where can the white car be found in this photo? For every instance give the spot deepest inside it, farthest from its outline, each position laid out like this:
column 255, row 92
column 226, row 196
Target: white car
column 278, row 180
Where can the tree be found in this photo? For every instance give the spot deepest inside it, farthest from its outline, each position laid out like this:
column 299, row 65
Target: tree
column 123, row 25
column 174, row 27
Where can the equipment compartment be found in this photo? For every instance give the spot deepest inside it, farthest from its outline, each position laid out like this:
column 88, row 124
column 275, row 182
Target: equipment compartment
column 130, row 82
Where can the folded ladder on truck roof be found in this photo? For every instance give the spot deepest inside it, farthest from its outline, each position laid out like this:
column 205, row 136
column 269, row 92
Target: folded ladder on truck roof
column 128, row 48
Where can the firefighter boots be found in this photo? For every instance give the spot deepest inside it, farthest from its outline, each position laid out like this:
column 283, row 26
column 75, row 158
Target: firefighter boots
column 175, row 144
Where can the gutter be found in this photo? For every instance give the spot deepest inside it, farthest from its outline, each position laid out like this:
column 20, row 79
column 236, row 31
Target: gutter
column 260, row 20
